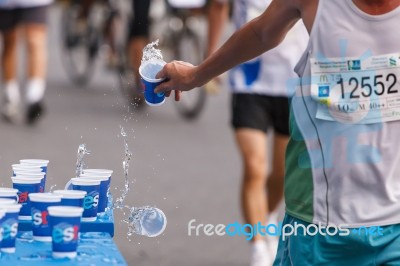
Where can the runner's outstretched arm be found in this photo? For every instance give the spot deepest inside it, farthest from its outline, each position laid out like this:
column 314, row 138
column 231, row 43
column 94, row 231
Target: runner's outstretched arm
column 258, row 36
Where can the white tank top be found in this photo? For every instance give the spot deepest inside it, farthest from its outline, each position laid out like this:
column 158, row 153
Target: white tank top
column 354, row 167
column 269, row 73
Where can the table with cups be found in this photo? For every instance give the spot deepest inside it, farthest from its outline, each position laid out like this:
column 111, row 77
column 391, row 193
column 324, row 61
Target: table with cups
column 64, row 227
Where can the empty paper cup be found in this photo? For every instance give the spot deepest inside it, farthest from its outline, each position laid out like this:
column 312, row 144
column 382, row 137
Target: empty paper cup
column 40, row 224
column 71, row 197
column 9, row 226
column 65, row 222
column 26, row 186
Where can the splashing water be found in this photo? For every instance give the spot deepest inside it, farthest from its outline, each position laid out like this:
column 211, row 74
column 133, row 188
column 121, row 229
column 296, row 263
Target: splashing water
column 82, row 151
column 151, row 53
column 148, row 221
column 119, row 202
column 51, row 188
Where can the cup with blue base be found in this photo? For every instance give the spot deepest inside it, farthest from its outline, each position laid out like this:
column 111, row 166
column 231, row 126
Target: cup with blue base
column 41, row 230
column 9, row 193
column 104, row 188
column 65, row 222
column 27, row 174
column 71, row 197
column 9, row 225
column 43, row 164
column 91, row 200
column 148, row 71
column 25, row 186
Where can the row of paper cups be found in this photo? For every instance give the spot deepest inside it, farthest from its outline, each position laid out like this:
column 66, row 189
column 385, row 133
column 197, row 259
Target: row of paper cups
column 95, row 182
column 50, row 222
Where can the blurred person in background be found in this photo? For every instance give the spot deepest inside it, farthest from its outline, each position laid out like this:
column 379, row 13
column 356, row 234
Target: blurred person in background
column 259, row 103
column 138, row 36
column 29, row 18
column 138, row 39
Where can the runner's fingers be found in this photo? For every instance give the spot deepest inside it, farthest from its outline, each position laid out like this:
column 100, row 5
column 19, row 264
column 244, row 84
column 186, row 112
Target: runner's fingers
column 177, row 95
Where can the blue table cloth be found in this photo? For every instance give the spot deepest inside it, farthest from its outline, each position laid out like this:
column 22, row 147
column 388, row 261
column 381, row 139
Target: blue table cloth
column 104, row 224
column 94, row 249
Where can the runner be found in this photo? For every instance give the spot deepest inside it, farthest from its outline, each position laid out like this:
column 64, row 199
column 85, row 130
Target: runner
column 139, row 38
column 342, row 160
column 30, row 17
column 260, row 103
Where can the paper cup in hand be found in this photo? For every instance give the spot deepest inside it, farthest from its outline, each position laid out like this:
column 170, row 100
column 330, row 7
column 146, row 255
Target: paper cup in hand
column 148, row 71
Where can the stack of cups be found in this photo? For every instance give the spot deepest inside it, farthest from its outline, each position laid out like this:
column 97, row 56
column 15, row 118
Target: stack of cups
column 41, row 164
column 28, row 177
column 9, row 193
column 105, row 176
column 25, row 186
column 91, row 200
column 9, row 223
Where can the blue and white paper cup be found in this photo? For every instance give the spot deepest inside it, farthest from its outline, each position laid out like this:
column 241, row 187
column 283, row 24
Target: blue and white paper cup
column 27, row 174
column 43, row 164
column 148, row 71
column 104, row 188
column 91, row 200
column 65, row 222
column 9, row 193
column 71, row 197
column 41, row 230
column 26, row 186
column 9, row 225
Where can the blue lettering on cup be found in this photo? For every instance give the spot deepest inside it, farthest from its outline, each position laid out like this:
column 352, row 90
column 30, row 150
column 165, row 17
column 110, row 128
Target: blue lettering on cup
column 65, row 233
column 40, row 224
column 23, row 192
column 10, row 230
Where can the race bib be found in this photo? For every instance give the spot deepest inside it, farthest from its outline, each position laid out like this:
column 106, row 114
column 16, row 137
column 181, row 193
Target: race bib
column 351, row 90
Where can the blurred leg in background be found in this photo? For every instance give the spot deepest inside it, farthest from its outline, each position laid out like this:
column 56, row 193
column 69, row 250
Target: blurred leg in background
column 36, row 40
column 11, row 94
column 139, row 37
column 31, row 22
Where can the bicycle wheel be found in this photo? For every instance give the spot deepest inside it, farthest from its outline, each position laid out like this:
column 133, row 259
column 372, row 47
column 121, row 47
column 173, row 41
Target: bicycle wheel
column 187, row 48
column 80, row 45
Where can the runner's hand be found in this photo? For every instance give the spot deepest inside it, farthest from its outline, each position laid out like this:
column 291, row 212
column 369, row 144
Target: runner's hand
column 179, row 77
